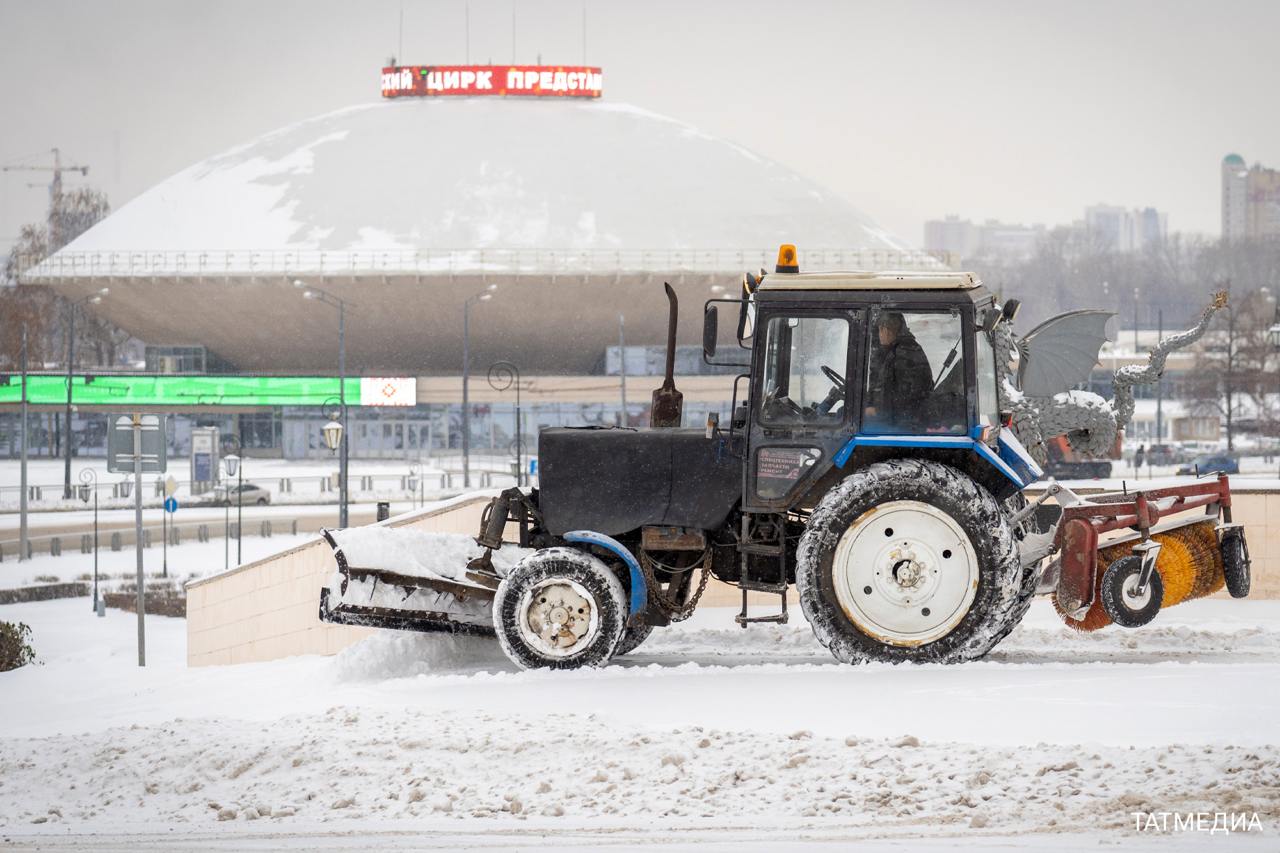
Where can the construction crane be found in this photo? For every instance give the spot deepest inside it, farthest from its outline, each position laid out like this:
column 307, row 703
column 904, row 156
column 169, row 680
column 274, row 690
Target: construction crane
column 55, row 190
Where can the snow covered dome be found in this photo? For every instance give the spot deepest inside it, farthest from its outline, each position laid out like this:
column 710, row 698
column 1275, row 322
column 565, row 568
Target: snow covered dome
column 465, row 174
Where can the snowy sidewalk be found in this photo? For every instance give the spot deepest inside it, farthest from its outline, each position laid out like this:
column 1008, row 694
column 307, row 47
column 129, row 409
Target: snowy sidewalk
column 719, row 733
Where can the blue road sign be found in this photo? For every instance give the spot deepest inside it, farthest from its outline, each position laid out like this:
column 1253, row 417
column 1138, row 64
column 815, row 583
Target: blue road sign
column 170, row 504
column 533, row 466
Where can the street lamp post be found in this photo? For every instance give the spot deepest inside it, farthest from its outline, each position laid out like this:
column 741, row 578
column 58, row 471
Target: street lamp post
column 503, row 375
column 231, row 462
column 89, row 477
column 483, row 296
column 332, row 431
column 93, row 298
column 1273, row 334
column 318, row 295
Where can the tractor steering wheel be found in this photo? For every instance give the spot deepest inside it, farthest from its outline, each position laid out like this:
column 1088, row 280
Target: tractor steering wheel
column 773, row 399
column 836, row 379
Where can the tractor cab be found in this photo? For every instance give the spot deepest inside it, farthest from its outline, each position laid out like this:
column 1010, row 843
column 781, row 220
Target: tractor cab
column 854, row 367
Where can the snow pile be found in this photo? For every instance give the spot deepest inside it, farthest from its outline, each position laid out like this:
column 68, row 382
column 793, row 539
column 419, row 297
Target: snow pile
column 404, row 654
column 349, row 765
column 419, row 553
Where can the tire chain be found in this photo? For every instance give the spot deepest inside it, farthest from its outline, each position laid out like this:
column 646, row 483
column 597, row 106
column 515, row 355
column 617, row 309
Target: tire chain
column 674, row 610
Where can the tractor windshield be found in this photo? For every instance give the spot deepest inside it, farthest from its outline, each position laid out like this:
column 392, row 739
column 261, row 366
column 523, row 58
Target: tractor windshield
column 805, row 361
column 915, row 375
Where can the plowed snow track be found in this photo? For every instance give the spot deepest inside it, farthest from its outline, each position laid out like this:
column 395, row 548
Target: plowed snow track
column 706, row 728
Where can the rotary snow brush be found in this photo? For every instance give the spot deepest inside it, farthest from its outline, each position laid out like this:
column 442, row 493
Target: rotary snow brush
column 1189, row 565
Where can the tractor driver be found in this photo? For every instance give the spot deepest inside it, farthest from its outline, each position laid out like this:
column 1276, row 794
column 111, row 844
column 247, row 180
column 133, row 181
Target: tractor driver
column 900, row 379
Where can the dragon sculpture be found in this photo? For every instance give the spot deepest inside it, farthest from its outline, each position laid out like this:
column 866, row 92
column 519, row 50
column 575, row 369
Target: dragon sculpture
column 1059, row 354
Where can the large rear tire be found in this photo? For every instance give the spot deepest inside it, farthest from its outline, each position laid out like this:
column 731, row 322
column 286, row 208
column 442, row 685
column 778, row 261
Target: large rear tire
column 559, row 608
column 908, row 560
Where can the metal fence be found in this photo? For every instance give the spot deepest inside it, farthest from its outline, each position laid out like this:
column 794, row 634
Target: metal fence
column 213, row 262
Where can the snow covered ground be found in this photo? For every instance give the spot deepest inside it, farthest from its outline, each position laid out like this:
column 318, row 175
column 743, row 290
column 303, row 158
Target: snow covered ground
column 709, row 737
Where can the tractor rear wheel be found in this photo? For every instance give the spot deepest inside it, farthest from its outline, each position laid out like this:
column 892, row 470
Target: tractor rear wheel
column 559, row 608
column 908, row 560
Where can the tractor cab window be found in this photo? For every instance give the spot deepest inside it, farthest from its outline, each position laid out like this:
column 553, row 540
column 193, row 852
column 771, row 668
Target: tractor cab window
column 804, row 366
column 915, row 380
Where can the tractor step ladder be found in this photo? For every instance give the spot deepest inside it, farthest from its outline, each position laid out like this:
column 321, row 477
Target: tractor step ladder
column 746, row 548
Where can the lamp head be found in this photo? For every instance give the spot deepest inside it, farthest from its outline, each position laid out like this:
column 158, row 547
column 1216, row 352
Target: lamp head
column 332, row 433
column 233, row 464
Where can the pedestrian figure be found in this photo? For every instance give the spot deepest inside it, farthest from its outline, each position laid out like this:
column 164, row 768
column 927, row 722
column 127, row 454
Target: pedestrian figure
column 1139, row 457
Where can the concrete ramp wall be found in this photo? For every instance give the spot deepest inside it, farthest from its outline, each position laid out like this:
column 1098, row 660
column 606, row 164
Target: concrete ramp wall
column 269, row 609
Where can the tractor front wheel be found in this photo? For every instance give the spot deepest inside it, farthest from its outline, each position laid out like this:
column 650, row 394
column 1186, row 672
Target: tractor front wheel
column 559, row 608
column 908, row 560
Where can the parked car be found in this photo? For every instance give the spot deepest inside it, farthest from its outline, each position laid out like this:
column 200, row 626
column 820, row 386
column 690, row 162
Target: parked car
column 249, row 493
column 1163, row 454
column 1211, row 463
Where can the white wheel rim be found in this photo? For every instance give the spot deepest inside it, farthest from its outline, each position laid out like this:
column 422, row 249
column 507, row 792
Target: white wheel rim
column 557, row 617
column 905, row 573
column 1132, row 600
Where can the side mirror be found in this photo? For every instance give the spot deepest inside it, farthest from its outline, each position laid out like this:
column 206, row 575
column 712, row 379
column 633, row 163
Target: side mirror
column 710, row 331
column 990, row 319
column 746, row 319
column 1010, row 310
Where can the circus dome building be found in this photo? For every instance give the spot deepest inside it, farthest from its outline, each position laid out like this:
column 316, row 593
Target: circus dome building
column 565, row 213
column 577, row 210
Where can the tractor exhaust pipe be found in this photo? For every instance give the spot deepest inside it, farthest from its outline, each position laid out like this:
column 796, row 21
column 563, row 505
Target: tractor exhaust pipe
column 668, row 403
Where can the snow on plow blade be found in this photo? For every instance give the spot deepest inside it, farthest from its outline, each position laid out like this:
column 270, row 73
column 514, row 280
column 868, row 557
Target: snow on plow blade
column 411, row 580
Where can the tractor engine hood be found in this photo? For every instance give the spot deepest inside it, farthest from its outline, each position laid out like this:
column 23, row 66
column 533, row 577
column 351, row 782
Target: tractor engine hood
column 614, row 481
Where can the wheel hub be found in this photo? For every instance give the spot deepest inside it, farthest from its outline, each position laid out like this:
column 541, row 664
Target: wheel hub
column 557, row 617
column 1131, row 597
column 905, row 573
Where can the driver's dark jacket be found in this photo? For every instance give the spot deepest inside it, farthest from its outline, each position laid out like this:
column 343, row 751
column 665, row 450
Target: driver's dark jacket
column 900, row 383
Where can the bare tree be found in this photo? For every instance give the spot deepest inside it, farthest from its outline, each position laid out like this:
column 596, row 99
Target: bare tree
column 42, row 311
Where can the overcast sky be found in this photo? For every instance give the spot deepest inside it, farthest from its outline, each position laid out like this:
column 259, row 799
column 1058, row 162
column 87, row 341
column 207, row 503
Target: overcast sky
column 1021, row 111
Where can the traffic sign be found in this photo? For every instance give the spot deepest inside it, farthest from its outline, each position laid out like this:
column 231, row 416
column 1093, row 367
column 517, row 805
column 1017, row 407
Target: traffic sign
column 170, row 504
column 170, row 486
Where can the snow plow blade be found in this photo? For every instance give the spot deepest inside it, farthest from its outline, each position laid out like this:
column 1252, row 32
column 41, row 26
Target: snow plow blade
column 406, row 580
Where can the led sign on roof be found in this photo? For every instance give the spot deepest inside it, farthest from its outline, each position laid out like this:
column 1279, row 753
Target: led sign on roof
column 537, row 81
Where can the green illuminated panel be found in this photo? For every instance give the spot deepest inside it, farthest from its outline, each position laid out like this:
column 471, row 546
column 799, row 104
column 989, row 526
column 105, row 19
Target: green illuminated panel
column 121, row 392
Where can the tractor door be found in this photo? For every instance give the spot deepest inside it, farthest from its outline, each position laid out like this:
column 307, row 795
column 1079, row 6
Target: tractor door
column 803, row 406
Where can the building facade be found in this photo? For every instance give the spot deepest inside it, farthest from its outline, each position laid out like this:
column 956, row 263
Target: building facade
column 1250, row 200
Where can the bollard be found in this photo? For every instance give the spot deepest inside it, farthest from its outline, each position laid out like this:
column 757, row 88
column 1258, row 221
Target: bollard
column 202, row 533
column 115, row 541
column 384, row 510
column 55, row 546
column 294, row 527
column 146, row 537
column 265, row 530
column 86, row 543
column 175, row 537
column 1, row 552
column 235, row 531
